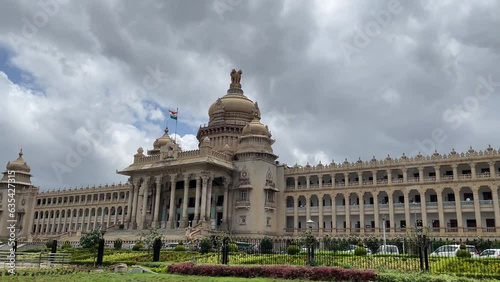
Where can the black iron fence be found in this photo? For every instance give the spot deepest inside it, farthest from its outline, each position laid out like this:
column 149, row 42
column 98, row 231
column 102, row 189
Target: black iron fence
column 404, row 254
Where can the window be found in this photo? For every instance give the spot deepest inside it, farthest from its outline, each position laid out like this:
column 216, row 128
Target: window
column 244, row 195
column 270, row 196
column 268, row 222
column 433, row 198
column 192, row 202
column 487, row 196
column 403, row 223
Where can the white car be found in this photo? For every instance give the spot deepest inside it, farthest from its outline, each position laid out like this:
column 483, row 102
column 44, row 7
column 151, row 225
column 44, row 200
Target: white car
column 490, row 253
column 451, row 251
column 388, row 250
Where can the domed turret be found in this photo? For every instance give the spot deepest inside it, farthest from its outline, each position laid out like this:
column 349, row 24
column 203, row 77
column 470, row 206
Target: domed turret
column 162, row 141
column 255, row 128
column 19, row 165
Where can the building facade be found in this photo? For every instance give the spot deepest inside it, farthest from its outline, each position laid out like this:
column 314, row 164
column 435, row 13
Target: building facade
column 233, row 182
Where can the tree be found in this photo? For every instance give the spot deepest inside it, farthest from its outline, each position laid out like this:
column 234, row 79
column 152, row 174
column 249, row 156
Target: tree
column 90, row 241
column 149, row 237
column 266, row 245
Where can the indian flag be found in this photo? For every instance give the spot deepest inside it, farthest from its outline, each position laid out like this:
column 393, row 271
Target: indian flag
column 173, row 114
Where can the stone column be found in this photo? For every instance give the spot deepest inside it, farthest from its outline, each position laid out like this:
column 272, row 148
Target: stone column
column 129, row 204
column 458, row 206
column 334, row 213
column 423, row 209
column 492, row 171
column 95, row 219
column 374, row 177
column 171, row 212
column 296, row 178
column 376, row 215
column 391, row 211
column 144, row 203
column 203, row 214
column 197, row 202
column 477, row 210
column 308, row 207
column 156, row 223
column 421, row 174
column 308, row 180
column 389, row 176
column 108, row 220
column 226, row 206
column 473, row 170
column 209, row 201
column 408, row 212
column 442, row 224
column 135, row 206
column 361, row 214
column 360, row 178
column 437, row 170
column 346, row 179
column 185, row 200
column 496, row 207
column 320, row 181
column 455, row 172
column 347, row 213
column 405, row 175
column 320, row 215
column 295, row 215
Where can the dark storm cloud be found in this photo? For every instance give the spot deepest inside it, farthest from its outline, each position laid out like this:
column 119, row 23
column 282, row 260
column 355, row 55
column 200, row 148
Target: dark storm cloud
column 334, row 80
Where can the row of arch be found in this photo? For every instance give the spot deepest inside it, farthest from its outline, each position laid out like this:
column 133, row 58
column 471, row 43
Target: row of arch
column 58, row 221
column 413, row 174
column 80, row 199
column 412, row 195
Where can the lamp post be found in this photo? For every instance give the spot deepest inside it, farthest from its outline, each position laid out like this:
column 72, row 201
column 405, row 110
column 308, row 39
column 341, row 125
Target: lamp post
column 310, row 241
column 384, row 218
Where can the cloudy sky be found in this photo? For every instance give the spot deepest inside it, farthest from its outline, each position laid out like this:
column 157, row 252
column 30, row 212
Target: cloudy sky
column 84, row 84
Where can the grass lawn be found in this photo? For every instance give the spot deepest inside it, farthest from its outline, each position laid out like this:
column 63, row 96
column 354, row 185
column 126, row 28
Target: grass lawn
column 115, row 277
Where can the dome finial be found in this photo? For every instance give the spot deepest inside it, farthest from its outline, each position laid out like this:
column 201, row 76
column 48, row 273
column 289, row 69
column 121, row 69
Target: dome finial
column 235, row 79
column 21, row 153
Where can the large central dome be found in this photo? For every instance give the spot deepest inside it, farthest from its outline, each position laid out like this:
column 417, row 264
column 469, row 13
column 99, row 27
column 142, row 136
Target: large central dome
column 234, row 107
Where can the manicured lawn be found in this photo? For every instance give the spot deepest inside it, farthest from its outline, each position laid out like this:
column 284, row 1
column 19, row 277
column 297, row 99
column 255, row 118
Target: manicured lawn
column 115, row 277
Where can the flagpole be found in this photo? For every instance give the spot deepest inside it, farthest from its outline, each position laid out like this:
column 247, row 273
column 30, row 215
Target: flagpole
column 175, row 137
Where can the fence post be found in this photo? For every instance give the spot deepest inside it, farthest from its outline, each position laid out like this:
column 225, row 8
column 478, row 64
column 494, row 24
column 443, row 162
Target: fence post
column 100, row 252
column 426, row 253
column 225, row 250
column 156, row 249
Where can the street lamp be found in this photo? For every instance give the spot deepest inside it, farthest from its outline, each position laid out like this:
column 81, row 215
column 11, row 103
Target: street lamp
column 384, row 218
column 310, row 223
column 310, row 242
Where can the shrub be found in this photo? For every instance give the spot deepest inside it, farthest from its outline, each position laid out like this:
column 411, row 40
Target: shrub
column 463, row 252
column 293, row 250
column 275, row 272
column 266, row 245
column 205, row 245
column 181, row 243
column 66, row 246
column 233, row 248
column 180, row 248
column 360, row 250
column 117, row 244
column 138, row 246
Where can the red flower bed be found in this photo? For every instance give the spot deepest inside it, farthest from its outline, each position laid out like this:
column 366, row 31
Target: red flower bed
column 283, row 272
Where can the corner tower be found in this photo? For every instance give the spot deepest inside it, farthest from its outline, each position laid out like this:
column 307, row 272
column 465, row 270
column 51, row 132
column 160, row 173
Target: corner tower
column 16, row 184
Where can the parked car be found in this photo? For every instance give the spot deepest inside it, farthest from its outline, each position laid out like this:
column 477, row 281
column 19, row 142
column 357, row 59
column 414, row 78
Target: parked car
column 388, row 249
column 490, row 253
column 351, row 248
column 451, row 251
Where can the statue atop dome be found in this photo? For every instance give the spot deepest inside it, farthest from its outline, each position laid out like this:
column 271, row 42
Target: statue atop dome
column 236, row 78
